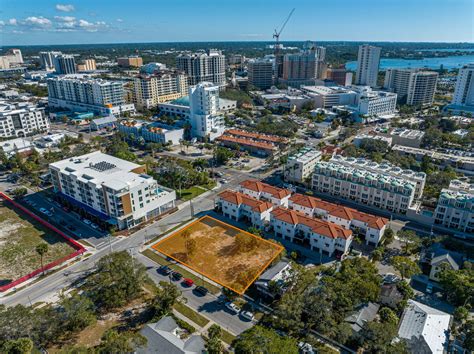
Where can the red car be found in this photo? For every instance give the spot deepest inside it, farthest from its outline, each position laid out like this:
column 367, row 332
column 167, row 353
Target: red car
column 188, row 282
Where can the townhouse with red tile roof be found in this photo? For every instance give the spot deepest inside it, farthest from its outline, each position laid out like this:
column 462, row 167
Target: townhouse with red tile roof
column 259, row 190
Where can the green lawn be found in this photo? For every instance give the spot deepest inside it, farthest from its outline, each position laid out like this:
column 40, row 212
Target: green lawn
column 190, row 193
column 191, row 314
column 227, row 337
column 186, row 274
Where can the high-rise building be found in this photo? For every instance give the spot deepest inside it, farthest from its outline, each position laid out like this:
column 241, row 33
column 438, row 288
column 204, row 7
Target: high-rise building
column 260, row 73
column 64, row 64
column 339, row 75
column 206, row 123
column 20, row 120
column 14, row 56
column 368, row 61
column 110, row 189
column 47, row 59
column 321, row 65
column 150, row 90
column 412, row 86
column 464, row 90
column 132, row 61
column 85, row 94
column 300, row 68
column 203, row 67
column 87, row 65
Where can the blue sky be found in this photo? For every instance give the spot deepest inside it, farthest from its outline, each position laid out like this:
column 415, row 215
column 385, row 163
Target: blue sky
column 24, row 22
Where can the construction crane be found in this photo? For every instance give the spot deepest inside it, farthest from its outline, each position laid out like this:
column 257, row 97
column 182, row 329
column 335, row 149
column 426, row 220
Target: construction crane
column 276, row 35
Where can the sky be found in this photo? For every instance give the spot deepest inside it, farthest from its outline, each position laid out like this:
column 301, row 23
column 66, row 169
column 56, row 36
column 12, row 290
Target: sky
column 30, row 22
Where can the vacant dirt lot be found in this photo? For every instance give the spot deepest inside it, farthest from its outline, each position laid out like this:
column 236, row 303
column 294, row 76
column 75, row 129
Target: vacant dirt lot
column 222, row 253
column 19, row 236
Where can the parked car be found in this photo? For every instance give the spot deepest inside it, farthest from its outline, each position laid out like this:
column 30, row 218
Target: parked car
column 71, row 227
column 49, row 213
column 390, row 278
column 86, row 221
column 224, row 181
column 201, row 290
column 43, row 210
column 232, row 307
column 94, row 226
column 165, row 270
column 188, row 282
column 176, row 276
column 247, row 315
column 66, row 209
column 429, row 289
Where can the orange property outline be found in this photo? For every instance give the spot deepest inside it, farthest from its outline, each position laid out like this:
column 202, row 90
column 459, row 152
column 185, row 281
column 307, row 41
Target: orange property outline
column 279, row 250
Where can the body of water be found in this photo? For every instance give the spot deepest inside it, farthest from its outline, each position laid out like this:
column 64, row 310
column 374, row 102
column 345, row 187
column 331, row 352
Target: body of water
column 451, row 62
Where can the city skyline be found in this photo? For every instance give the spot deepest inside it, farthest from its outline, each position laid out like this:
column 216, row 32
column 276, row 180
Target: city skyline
column 54, row 23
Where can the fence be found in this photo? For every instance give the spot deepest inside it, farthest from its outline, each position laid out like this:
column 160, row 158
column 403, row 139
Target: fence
column 77, row 246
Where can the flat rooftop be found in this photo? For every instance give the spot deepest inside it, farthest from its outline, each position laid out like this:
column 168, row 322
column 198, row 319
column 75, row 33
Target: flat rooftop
column 102, row 169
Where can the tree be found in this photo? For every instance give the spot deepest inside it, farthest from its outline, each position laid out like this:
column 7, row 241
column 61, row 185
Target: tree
column 19, row 192
column 165, row 298
column 214, row 341
column 119, row 279
column 266, row 341
column 388, row 236
column 405, row 266
column 255, row 231
column 410, row 240
column 222, row 155
column 123, row 342
column 378, row 337
column 468, row 330
column 76, row 312
column 17, row 346
column 42, row 249
column 459, row 285
column 388, row 316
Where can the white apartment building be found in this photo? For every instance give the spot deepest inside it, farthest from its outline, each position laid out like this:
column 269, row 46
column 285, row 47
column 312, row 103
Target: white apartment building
column 154, row 132
column 358, row 139
column 407, row 137
column 412, row 86
column 455, row 208
column 260, row 73
column 12, row 58
column 300, row 166
column 262, row 191
column 375, row 103
column 368, row 183
column 81, row 93
column 464, row 90
column 206, row 123
column 203, row 67
column 20, row 120
column 319, row 235
column 368, row 61
column 238, row 206
column 330, row 96
column 150, row 90
column 371, row 226
column 115, row 191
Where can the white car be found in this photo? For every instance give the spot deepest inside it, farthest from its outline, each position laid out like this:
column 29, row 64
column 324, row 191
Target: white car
column 224, row 181
column 232, row 307
column 247, row 315
column 49, row 213
column 43, row 210
column 94, row 226
column 87, row 221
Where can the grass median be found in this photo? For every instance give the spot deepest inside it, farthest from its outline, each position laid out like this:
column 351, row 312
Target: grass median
column 186, row 274
column 227, row 337
column 191, row 314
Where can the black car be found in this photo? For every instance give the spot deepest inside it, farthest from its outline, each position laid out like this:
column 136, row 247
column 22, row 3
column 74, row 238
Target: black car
column 72, row 228
column 176, row 276
column 165, row 270
column 201, row 290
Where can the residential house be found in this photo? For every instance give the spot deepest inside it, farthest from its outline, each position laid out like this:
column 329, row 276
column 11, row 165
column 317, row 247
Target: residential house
column 373, row 227
column 390, row 295
column 319, row 235
column 363, row 314
column 262, row 191
column 436, row 258
column 425, row 329
column 272, row 282
column 165, row 336
column 238, row 206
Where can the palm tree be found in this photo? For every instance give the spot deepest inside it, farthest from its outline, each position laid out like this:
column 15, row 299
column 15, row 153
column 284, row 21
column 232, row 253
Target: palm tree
column 42, row 249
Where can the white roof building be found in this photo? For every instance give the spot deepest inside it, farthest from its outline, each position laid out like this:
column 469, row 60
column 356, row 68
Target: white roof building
column 424, row 328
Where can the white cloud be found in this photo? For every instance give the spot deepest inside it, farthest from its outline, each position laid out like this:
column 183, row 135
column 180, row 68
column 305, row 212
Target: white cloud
column 41, row 22
column 119, row 20
column 65, row 7
column 65, row 18
column 2, row 23
column 91, row 26
column 12, row 22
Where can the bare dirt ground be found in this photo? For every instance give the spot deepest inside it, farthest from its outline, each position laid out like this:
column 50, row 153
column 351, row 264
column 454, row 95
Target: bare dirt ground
column 222, row 253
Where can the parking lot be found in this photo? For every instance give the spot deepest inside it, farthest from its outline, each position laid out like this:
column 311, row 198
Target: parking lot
column 66, row 219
